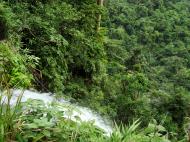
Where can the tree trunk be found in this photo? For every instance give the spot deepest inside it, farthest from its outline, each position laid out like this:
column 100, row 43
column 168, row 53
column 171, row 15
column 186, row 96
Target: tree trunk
column 99, row 17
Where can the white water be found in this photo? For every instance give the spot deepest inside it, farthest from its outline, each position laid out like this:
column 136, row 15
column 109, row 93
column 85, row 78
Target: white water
column 71, row 111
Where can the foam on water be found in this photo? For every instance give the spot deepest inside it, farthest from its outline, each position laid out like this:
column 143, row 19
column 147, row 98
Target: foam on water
column 71, row 111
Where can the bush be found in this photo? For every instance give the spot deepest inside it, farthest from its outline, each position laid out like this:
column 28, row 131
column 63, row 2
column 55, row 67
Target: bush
column 13, row 68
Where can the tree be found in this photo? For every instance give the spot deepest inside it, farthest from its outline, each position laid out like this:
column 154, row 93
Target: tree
column 99, row 17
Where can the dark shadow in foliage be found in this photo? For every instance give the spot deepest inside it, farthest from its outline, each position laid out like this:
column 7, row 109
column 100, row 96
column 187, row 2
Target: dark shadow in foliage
column 26, row 36
column 79, row 71
column 133, row 60
column 3, row 30
column 64, row 29
column 178, row 107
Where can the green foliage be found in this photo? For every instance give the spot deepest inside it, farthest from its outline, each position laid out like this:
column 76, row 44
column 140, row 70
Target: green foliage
column 9, row 117
column 151, row 38
column 34, row 121
column 48, row 124
column 13, row 68
column 15, row 64
column 63, row 36
column 136, row 66
column 152, row 133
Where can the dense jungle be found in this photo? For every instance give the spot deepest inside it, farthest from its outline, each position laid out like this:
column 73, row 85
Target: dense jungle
column 127, row 60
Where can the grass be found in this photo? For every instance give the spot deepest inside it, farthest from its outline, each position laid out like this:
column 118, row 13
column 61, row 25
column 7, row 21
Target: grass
column 9, row 116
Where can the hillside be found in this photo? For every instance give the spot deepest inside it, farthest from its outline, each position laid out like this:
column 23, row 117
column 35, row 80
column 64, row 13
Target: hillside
column 128, row 60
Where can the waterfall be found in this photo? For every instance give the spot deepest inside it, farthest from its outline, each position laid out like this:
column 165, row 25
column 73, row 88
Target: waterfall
column 71, row 111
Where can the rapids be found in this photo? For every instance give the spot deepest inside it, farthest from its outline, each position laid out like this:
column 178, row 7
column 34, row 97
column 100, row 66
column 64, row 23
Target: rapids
column 71, row 111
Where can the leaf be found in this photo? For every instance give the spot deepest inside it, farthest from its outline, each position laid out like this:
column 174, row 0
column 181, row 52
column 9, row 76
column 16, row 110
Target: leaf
column 47, row 133
column 32, row 126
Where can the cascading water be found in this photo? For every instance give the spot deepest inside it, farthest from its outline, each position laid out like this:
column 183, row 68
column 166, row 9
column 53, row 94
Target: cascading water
column 71, row 111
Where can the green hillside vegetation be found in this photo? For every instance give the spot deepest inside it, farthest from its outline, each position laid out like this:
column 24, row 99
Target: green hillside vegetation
column 135, row 66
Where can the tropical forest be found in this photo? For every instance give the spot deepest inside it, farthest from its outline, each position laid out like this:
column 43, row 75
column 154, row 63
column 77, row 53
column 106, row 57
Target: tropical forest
column 94, row 70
